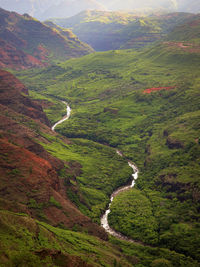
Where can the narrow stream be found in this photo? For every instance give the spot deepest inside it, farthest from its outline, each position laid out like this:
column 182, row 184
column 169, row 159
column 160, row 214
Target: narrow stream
column 104, row 218
column 66, row 117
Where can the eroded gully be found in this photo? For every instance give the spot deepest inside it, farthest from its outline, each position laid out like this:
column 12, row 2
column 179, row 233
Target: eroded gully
column 104, row 218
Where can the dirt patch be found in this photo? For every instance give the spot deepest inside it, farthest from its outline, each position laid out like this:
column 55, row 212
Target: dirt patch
column 154, row 89
column 184, row 46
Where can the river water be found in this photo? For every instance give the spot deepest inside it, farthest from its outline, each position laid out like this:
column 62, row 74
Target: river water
column 66, row 117
column 104, row 218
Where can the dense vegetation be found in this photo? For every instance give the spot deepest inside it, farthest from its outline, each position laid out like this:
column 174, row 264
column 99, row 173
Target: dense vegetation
column 40, row 244
column 159, row 131
column 102, row 171
column 56, row 185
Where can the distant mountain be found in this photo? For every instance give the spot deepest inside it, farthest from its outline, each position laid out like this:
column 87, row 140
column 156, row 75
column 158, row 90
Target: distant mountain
column 32, row 7
column 105, row 30
column 66, row 8
column 26, row 42
column 173, row 5
column 130, row 5
column 188, row 6
column 48, row 8
column 185, row 37
column 188, row 31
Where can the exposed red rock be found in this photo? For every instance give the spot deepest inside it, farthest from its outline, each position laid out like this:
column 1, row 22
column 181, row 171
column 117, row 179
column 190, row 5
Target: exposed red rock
column 11, row 80
column 185, row 46
column 150, row 90
column 11, row 90
column 29, row 175
column 27, row 43
column 11, row 57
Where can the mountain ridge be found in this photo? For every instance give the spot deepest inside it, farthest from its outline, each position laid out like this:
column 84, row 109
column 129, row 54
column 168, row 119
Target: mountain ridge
column 67, row 8
column 26, row 42
column 121, row 30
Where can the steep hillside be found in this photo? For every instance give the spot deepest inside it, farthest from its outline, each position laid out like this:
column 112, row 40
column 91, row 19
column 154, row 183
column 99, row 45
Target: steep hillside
column 120, row 30
column 26, row 42
column 29, row 174
column 146, row 104
column 188, row 31
column 40, row 172
column 185, row 37
column 14, row 95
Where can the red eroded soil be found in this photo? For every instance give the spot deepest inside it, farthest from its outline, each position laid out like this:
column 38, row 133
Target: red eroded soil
column 11, row 80
column 150, row 90
column 11, row 57
column 29, row 174
column 42, row 53
column 11, row 90
column 185, row 46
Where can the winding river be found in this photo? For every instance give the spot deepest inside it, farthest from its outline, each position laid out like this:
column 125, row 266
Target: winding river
column 104, row 218
column 66, row 117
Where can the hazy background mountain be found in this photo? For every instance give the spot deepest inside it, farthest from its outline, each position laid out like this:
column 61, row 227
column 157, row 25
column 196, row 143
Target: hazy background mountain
column 65, row 8
column 129, row 4
column 121, row 30
column 69, row 8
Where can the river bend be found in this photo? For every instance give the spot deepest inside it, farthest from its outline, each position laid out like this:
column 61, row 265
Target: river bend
column 66, row 117
column 104, row 218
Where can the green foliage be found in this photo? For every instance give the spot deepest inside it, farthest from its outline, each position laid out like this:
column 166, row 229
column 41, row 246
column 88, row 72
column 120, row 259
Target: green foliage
column 53, row 202
column 187, row 31
column 27, row 242
column 98, row 177
column 27, row 258
column 132, row 215
column 161, row 263
column 158, row 131
column 14, row 172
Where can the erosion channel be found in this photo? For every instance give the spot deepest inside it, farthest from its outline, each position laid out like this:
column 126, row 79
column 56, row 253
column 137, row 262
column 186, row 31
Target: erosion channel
column 104, row 218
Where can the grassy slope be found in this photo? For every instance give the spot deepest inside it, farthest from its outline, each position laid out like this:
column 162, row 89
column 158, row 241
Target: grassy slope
column 187, row 31
column 39, row 244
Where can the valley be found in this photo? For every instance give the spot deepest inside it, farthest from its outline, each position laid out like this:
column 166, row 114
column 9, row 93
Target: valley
column 100, row 150
column 106, row 93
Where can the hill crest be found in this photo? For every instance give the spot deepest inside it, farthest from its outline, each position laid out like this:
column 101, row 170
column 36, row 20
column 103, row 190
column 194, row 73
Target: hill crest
column 26, row 42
